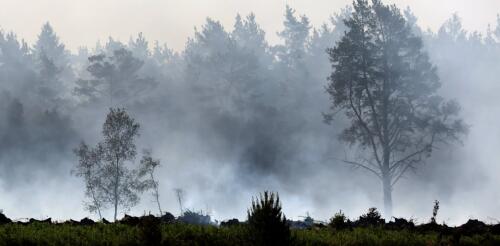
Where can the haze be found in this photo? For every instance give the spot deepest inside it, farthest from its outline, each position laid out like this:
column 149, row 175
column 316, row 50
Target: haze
column 224, row 142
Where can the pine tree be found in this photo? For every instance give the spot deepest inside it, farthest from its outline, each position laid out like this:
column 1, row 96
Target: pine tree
column 268, row 224
column 387, row 87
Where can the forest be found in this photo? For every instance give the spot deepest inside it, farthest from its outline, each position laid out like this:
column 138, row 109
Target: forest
column 367, row 110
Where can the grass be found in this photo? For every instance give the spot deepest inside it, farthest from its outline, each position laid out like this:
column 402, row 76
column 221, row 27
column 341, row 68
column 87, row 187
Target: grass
column 184, row 234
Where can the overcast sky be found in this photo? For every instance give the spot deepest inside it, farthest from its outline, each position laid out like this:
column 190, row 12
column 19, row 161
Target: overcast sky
column 84, row 22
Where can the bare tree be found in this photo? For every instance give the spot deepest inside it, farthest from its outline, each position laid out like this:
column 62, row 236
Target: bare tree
column 386, row 85
column 148, row 167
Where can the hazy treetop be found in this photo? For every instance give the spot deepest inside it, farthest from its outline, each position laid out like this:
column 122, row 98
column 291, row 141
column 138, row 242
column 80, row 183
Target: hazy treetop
column 172, row 21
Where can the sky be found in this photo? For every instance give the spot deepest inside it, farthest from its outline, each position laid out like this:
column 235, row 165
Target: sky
column 81, row 23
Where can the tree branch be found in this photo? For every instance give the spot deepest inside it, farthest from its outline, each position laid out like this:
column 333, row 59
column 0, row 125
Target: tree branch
column 365, row 126
column 400, row 175
column 404, row 161
column 357, row 164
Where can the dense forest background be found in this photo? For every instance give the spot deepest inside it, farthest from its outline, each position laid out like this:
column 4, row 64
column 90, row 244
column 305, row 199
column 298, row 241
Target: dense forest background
column 231, row 115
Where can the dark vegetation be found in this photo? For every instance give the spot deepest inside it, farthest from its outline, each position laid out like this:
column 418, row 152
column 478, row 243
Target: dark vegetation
column 265, row 225
column 267, row 222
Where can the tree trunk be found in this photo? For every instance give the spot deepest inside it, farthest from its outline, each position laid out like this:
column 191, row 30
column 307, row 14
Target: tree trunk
column 386, row 183
column 158, row 202
column 96, row 203
column 116, row 208
column 117, row 181
column 100, row 215
column 156, row 193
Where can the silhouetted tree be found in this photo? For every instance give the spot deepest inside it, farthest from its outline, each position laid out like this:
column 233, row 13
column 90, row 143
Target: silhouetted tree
column 52, row 64
column 249, row 37
column 371, row 218
column 385, row 84
column 295, row 35
column 267, row 223
column 452, row 29
column 291, row 60
column 219, row 71
column 139, row 47
column 17, row 70
column 111, row 46
column 322, row 38
column 115, row 78
column 49, row 45
column 339, row 221
column 161, row 53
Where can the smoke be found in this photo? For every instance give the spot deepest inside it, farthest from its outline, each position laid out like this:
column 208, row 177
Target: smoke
column 231, row 116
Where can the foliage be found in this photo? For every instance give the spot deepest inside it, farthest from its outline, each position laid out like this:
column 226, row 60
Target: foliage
column 89, row 168
column 114, row 77
column 231, row 222
column 195, row 218
column 109, row 180
column 372, row 218
column 339, row 221
column 185, row 234
column 51, row 61
column 295, row 35
column 387, row 87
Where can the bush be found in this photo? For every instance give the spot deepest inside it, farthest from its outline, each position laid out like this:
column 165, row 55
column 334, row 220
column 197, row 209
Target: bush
column 231, row 222
column 266, row 222
column 339, row 221
column 167, row 218
column 194, row 218
column 4, row 219
column 372, row 218
column 150, row 231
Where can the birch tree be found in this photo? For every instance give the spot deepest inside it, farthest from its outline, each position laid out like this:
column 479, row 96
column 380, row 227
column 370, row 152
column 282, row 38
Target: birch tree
column 109, row 170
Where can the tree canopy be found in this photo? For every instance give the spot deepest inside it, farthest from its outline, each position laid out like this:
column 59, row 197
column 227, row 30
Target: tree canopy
column 384, row 82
